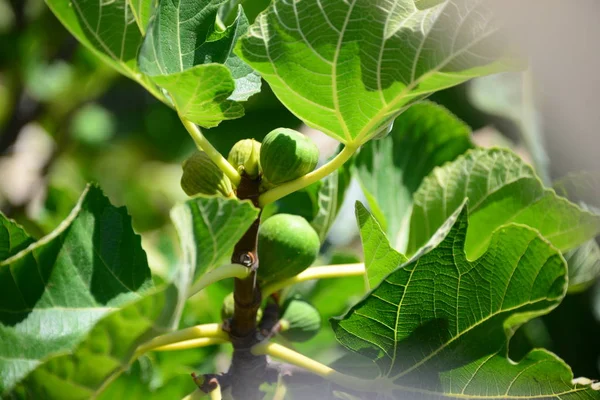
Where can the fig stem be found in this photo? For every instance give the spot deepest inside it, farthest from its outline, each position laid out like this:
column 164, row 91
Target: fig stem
column 292, row 186
column 195, row 332
column 203, row 144
column 215, row 394
column 218, row 274
column 191, row 344
column 323, row 272
column 380, row 385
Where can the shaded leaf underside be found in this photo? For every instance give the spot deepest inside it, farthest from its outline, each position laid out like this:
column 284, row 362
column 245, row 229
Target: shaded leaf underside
column 348, row 68
column 439, row 325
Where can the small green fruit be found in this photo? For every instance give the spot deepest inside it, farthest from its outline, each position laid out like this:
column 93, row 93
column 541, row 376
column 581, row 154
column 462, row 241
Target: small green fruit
column 201, row 175
column 287, row 245
column 245, row 156
column 286, row 155
column 229, row 305
column 300, row 320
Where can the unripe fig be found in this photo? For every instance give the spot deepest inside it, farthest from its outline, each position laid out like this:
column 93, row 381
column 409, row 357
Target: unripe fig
column 300, row 320
column 286, row 155
column 287, row 245
column 245, row 156
column 229, row 305
column 201, row 175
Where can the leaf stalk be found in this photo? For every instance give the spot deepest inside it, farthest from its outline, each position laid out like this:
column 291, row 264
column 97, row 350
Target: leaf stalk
column 203, row 144
column 322, row 272
column 283, row 190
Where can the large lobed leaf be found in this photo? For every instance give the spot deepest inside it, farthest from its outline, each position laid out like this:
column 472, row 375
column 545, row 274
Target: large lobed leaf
column 501, row 189
column 53, row 292
column 187, row 53
column 349, row 67
column 438, row 326
column 423, row 137
column 106, row 351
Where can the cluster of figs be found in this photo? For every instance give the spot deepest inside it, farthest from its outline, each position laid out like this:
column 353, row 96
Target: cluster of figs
column 287, row 244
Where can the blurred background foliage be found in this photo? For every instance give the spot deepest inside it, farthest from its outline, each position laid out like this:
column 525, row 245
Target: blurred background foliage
column 67, row 119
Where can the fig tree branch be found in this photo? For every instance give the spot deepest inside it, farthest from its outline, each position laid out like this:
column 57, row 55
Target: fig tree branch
column 292, row 186
column 199, row 331
column 203, row 144
column 323, row 272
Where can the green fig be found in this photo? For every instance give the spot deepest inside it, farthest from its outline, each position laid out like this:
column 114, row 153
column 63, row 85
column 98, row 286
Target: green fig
column 286, row 155
column 287, row 245
column 202, row 176
column 245, row 157
column 300, row 321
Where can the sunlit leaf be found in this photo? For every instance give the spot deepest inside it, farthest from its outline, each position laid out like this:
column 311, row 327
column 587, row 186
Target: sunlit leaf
column 104, row 352
column 380, row 257
column 439, row 326
column 349, row 68
column 108, row 29
column 501, row 189
column 423, row 137
column 187, row 52
column 53, row 293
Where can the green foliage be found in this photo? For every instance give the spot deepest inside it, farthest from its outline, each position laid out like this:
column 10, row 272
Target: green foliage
column 423, row 137
column 440, row 324
column 350, row 68
column 502, row 189
column 462, row 246
column 66, row 282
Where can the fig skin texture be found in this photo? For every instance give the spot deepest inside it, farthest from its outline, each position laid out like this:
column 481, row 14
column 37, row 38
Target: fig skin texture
column 244, row 156
column 287, row 245
column 300, row 320
column 202, row 176
column 286, row 155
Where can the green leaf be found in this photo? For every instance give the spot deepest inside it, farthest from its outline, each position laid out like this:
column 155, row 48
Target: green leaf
column 380, row 257
column 501, row 189
column 423, row 137
column 105, row 352
column 13, row 238
column 425, row 4
column 201, row 94
column 349, row 68
column 188, row 52
column 209, row 228
column 329, row 200
column 439, row 325
column 53, row 293
column 142, row 11
column 107, row 28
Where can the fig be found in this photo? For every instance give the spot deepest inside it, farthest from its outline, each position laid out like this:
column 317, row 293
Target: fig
column 300, row 321
column 245, row 157
column 202, row 176
column 287, row 245
column 286, row 155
